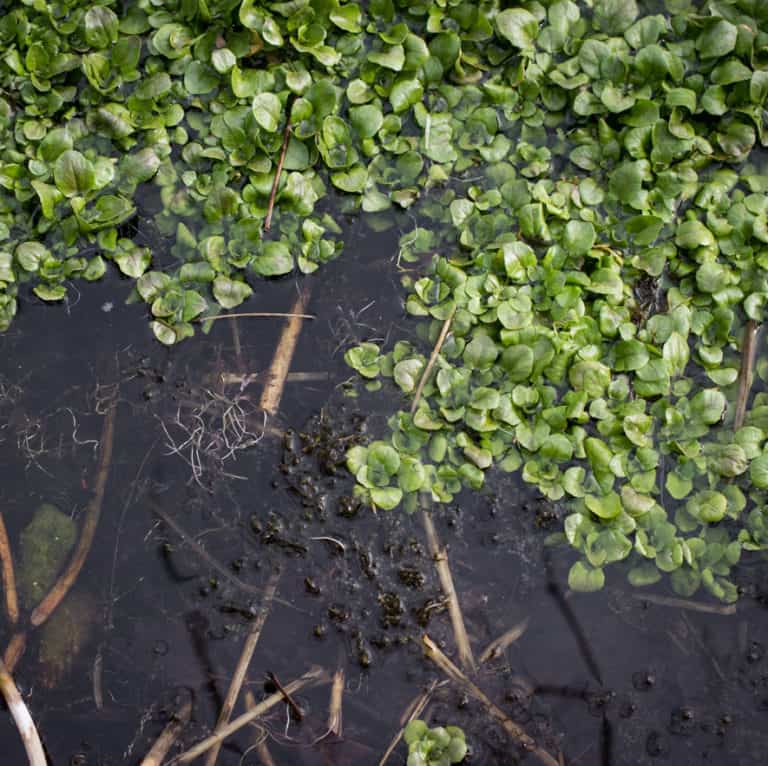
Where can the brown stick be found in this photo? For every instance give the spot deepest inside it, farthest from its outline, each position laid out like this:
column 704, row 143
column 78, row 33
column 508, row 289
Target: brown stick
column 440, row 557
column 291, row 702
column 748, row 351
column 335, row 722
column 432, row 359
column 414, row 710
column 495, row 648
column 21, row 717
column 242, row 666
column 278, row 173
column 9, row 579
column 313, row 675
column 515, row 730
column 281, row 361
column 67, row 578
column 169, row 735
column 259, row 744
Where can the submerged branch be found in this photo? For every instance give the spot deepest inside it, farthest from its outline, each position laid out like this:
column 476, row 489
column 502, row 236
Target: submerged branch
column 685, row 603
column 212, row 562
column 67, row 578
column 9, row 578
column 432, row 359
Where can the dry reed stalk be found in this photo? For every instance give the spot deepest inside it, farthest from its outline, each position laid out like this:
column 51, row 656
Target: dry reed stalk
column 440, row 557
column 314, row 675
column 168, row 736
column 242, row 666
column 413, row 710
column 9, row 578
column 515, row 730
column 335, row 723
column 281, row 361
column 67, row 578
column 432, row 359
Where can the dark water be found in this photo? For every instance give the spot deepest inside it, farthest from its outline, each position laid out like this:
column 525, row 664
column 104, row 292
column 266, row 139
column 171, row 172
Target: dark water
column 604, row 679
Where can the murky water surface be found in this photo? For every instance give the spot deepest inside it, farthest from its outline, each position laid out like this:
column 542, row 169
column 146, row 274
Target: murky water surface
column 610, row 678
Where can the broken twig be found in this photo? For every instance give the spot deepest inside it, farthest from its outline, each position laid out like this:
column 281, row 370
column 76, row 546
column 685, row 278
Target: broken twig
column 432, row 359
column 242, row 666
column 256, row 315
column 21, row 717
column 67, row 578
column 281, row 361
column 746, row 371
column 169, row 735
column 515, row 730
column 440, row 557
column 278, row 173
column 314, row 675
column 9, row 579
column 290, row 701
column 497, row 647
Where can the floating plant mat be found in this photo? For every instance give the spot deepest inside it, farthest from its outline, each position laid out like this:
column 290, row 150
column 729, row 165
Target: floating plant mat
column 589, row 247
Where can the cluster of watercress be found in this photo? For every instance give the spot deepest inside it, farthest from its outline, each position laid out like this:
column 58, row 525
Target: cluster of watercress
column 596, row 270
column 440, row 746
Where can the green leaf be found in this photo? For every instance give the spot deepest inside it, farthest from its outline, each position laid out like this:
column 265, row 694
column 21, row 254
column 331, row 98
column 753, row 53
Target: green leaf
column 708, row 406
column 101, row 27
column 230, row 292
column 614, row 17
column 199, row 79
column 518, row 26
column 584, row 578
column 274, row 260
column 267, row 111
column 481, row 352
column 73, row 173
column 718, row 39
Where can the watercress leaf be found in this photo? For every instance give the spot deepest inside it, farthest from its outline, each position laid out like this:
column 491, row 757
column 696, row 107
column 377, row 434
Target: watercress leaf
column 73, row 173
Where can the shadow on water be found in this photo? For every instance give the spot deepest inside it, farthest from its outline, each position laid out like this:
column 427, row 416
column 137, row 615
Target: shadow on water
column 610, row 678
